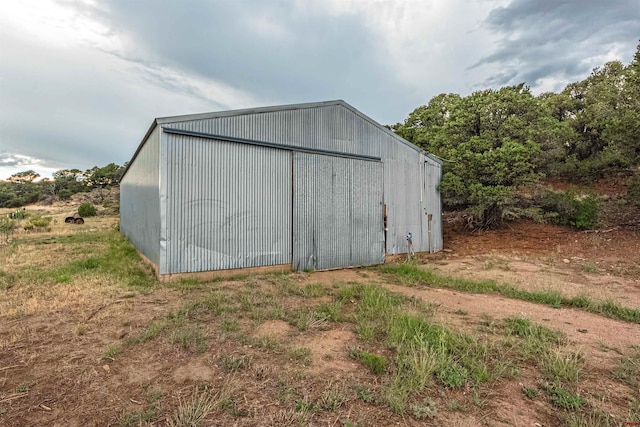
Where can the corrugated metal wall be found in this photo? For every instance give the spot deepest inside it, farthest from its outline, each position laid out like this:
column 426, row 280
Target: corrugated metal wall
column 432, row 202
column 337, row 212
column 140, row 200
column 367, row 213
column 228, row 205
column 337, row 128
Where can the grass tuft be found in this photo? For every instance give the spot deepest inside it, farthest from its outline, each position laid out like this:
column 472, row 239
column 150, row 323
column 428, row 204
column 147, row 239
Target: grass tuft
column 628, row 370
column 562, row 368
column 375, row 363
column 112, row 351
column 301, row 354
column 233, row 363
column 563, row 398
column 192, row 412
column 190, row 337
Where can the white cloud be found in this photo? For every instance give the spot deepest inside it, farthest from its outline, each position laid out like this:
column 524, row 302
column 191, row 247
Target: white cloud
column 11, row 163
column 55, row 24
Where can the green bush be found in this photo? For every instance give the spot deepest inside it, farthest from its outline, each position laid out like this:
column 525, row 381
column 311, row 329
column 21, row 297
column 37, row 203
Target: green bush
column 65, row 194
column 587, row 212
column 86, row 209
column 40, row 221
column 633, row 189
column 569, row 208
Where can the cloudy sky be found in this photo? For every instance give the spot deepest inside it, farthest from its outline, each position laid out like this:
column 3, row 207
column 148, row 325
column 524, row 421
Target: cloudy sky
column 82, row 80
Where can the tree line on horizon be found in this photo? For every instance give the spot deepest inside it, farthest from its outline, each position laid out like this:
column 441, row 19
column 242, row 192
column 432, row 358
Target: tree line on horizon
column 497, row 145
column 24, row 188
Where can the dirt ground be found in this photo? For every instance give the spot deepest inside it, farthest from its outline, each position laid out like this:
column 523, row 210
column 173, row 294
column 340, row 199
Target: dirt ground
column 56, row 369
column 601, row 264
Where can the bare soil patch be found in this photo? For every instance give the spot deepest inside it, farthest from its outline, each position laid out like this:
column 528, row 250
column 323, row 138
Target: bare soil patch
column 603, row 265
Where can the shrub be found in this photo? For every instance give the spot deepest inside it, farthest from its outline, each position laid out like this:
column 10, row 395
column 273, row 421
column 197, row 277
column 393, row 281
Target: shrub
column 86, row 209
column 65, row 194
column 39, row 223
column 587, row 212
column 633, row 189
column 6, row 227
column 569, row 208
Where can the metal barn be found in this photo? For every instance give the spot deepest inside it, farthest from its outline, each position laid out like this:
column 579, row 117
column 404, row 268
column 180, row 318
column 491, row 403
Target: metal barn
column 307, row 186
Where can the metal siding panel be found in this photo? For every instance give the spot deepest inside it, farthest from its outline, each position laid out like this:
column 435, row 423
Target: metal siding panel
column 433, row 175
column 337, row 220
column 229, row 205
column 335, row 127
column 139, row 200
column 367, row 215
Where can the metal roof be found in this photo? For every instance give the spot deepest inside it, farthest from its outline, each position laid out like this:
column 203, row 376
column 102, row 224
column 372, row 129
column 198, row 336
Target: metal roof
column 258, row 110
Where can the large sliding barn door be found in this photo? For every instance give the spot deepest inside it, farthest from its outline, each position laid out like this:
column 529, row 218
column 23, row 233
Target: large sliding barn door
column 337, row 212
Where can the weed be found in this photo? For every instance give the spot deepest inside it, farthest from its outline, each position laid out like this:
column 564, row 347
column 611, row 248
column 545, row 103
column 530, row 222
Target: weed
column 288, row 417
column 563, row 398
column 423, row 307
column 307, row 320
column 522, row 327
column 191, row 338
column 591, row 419
column 536, row 338
column 589, row 267
column 455, row 405
column 25, row 386
column 215, row 304
column 313, row 290
column 332, row 398
column 628, row 369
column 134, row 419
column 461, row 312
column 417, row 363
column 229, row 324
column 376, row 364
column 285, row 391
column 284, row 284
column 151, row 332
column 364, row 393
column 634, row 410
column 396, row 395
column 347, row 422
column 456, row 359
column 268, row 343
column 234, row 363
column 427, row 409
column 562, row 368
column 192, row 412
column 302, row 355
column 151, row 413
column 81, row 330
column 332, row 311
column 530, row 392
column 304, row 406
column 186, row 284
column 152, row 394
column 112, row 351
column 451, row 374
